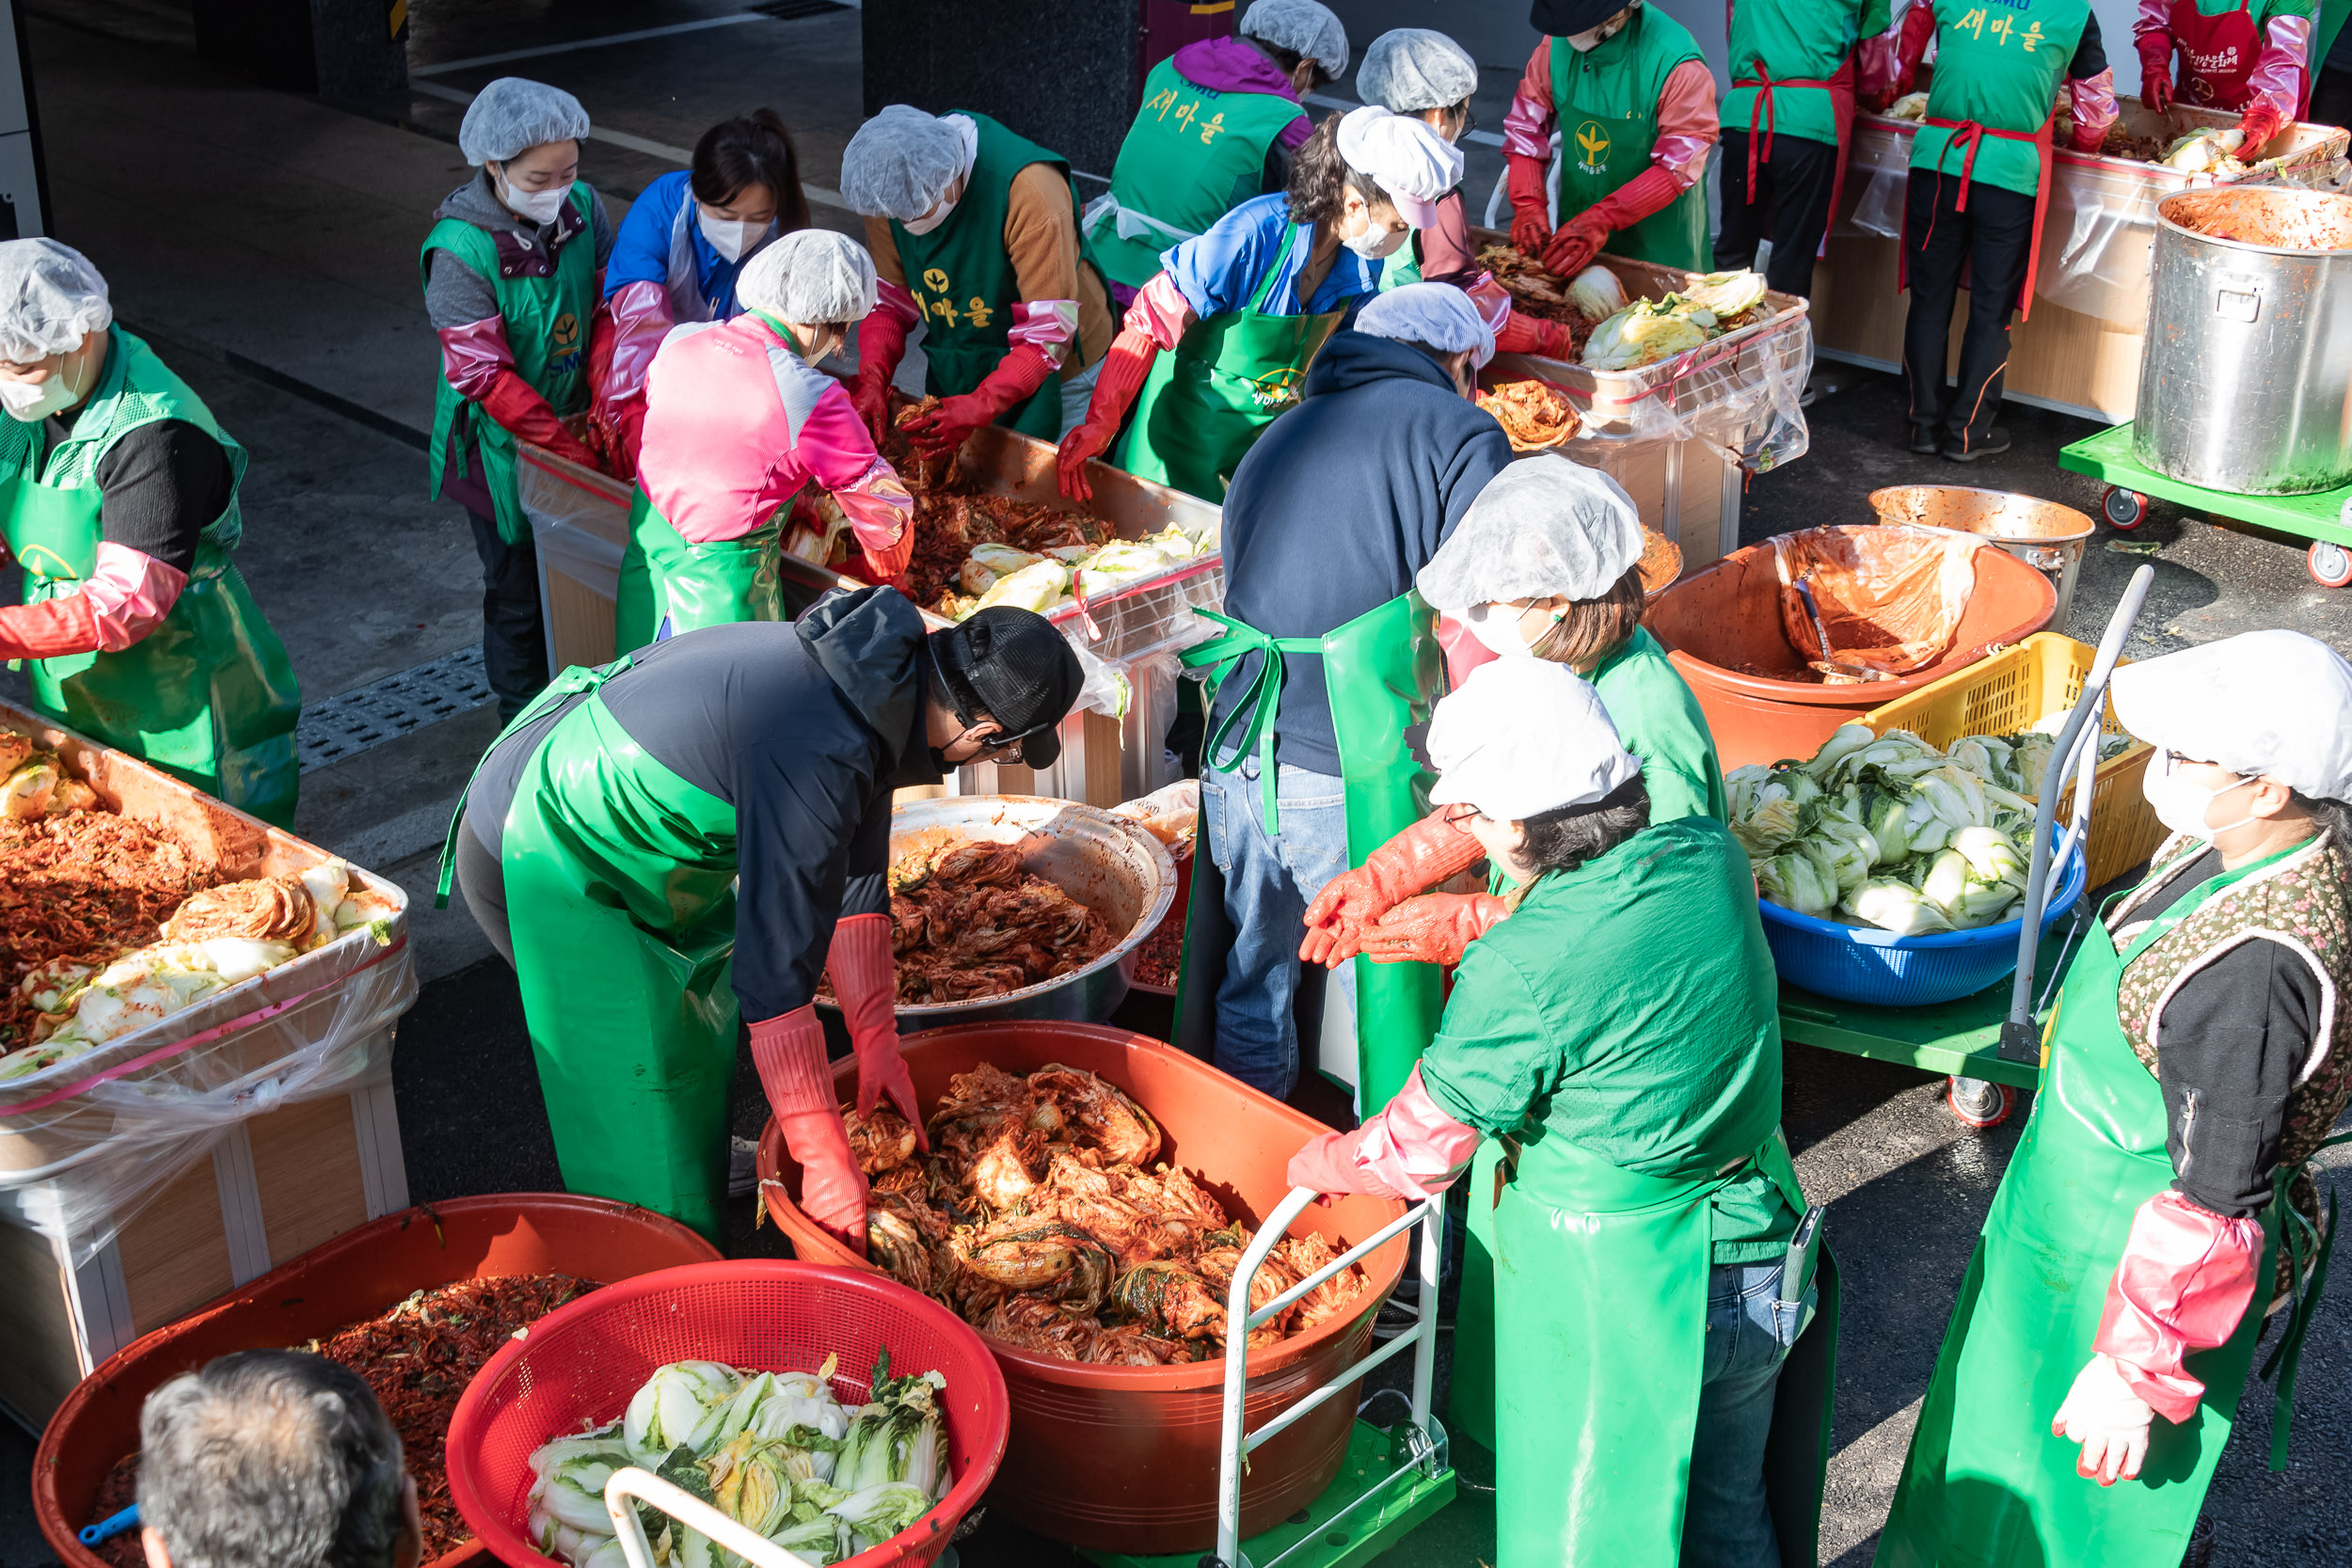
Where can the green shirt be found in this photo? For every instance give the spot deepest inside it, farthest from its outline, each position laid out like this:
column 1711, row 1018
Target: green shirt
column 1999, row 68
column 1630, row 1007
column 1659, row 721
column 1796, row 40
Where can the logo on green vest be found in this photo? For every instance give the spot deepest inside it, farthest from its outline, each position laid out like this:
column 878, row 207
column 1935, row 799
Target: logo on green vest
column 1592, row 145
column 1278, row 390
column 43, row 562
column 565, row 335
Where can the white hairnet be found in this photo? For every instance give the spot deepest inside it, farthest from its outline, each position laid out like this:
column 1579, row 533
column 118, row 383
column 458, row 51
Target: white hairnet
column 1543, row 527
column 1437, row 314
column 1413, row 163
column 514, row 115
column 901, row 162
column 812, row 275
column 49, row 296
column 1301, row 26
column 1522, row 737
column 2263, row 702
column 1412, row 69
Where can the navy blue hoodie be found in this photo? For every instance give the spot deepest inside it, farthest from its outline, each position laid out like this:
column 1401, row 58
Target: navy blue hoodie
column 1340, row 504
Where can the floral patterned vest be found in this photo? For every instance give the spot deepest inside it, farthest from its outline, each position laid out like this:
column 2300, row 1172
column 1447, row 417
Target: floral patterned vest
column 2302, row 902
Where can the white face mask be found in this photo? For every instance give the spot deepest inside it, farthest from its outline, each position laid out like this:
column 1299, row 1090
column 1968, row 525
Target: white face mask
column 30, row 404
column 535, row 207
column 729, row 237
column 2181, row 802
column 1372, row 243
column 1498, row 626
column 930, row 221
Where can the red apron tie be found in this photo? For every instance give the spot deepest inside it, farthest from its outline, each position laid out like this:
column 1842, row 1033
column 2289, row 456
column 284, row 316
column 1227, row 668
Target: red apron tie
column 1840, row 89
column 1967, row 134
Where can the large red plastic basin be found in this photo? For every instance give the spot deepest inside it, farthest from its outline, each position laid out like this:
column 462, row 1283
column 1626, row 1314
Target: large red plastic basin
column 356, row 1276
column 1722, row 627
column 1124, row 1459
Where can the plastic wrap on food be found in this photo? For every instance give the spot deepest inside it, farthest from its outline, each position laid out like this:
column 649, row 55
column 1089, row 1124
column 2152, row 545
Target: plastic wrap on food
column 572, row 513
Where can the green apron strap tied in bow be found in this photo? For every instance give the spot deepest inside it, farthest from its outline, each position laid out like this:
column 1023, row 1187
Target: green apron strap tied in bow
column 1255, row 712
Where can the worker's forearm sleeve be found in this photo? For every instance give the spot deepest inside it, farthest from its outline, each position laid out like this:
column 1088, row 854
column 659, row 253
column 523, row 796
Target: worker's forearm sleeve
column 1160, row 313
column 1412, row 1149
column 1918, row 32
column 1044, row 324
column 2093, row 101
column 2279, row 70
column 473, row 355
column 640, row 319
column 129, row 593
column 2184, row 1283
column 1527, row 124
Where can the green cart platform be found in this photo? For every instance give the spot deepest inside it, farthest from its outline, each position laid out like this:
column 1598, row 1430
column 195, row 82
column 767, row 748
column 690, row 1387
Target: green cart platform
column 2324, row 518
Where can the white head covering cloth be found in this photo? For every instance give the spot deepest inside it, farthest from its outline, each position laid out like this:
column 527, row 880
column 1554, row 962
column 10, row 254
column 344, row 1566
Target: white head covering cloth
column 1437, row 314
column 1522, row 737
column 1413, row 163
column 2263, row 702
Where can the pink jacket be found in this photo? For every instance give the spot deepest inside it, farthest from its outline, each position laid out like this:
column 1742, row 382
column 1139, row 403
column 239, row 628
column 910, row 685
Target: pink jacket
column 737, row 423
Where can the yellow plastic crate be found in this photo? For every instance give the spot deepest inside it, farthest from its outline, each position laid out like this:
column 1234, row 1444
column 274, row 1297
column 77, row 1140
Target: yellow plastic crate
column 2012, row 691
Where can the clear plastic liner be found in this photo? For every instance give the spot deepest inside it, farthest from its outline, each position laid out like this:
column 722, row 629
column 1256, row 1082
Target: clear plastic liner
column 1878, row 170
column 140, row 1112
column 1153, row 616
column 578, row 529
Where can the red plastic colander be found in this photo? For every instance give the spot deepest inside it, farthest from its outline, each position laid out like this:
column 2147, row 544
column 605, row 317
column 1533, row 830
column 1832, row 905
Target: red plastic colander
column 578, row 1365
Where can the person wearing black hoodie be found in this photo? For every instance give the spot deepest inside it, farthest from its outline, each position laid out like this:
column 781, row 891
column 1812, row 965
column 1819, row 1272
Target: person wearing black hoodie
column 1330, row 515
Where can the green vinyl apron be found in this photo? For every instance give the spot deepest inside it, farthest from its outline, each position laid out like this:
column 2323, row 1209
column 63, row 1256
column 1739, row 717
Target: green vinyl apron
column 1606, row 100
column 670, row 584
column 620, row 884
column 1601, row 1277
column 1382, row 671
column 963, row 282
column 1986, row 1481
column 208, row 696
column 1204, row 404
column 546, row 321
column 1191, row 156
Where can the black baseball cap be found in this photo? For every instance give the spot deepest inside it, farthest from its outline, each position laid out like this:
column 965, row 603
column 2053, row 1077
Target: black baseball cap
column 1012, row 666
column 1562, row 19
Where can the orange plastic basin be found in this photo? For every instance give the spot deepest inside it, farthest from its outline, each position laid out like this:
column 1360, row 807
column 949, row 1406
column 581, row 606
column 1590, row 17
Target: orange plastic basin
column 1124, row 1459
column 1722, row 627
column 356, row 1276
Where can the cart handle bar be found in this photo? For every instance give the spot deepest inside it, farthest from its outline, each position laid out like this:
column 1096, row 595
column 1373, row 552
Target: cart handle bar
column 631, row 1484
column 2019, row 1039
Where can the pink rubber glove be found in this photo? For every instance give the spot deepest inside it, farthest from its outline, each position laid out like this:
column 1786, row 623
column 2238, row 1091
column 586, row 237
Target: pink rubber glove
column 1015, row 380
column 50, row 629
column 789, row 1052
column 864, row 980
column 1434, row 929
column 1418, row 857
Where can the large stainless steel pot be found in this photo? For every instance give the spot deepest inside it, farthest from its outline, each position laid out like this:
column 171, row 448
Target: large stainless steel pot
column 2246, row 382
column 2045, row 535
column 1106, row 863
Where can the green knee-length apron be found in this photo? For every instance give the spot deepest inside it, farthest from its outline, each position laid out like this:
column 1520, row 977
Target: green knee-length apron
column 963, row 282
column 1383, row 671
column 1191, row 156
column 1607, row 102
column 1204, row 404
column 208, row 696
column 620, row 886
column 1987, row 1482
column 668, row 581
column 1602, row 1279
column 546, row 321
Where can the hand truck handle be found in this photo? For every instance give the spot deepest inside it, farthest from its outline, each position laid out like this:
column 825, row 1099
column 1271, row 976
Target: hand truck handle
column 631, row 1484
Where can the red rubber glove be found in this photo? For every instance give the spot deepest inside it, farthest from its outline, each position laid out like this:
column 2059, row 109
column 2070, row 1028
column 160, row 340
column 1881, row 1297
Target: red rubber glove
column 49, row 629
column 2156, row 71
column 2261, row 122
column 1574, row 244
column 1525, row 334
column 882, row 343
column 523, row 414
column 866, row 981
column 1115, row 387
column 1015, row 380
column 1434, row 929
column 789, row 1052
column 1531, row 208
column 1418, row 857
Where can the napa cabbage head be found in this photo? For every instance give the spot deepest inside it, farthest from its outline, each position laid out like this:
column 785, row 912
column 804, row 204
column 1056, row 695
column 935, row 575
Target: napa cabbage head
column 1642, row 334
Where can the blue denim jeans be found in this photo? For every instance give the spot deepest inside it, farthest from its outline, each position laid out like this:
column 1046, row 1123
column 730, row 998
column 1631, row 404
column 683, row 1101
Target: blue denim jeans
column 1269, row 882
column 1724, row 1521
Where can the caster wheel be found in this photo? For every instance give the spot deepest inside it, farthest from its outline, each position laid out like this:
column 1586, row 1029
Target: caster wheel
column 2330, row 564
column 1978, row 1104
column 2125, row 509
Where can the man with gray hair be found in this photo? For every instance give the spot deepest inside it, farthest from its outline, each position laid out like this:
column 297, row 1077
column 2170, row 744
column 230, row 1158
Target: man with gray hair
column 274, row 1458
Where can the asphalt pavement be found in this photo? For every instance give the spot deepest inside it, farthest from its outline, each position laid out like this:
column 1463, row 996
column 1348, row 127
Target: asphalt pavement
column 266, row 245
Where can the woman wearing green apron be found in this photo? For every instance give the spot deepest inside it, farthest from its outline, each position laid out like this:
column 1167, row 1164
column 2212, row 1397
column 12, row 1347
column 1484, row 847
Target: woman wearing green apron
column 1634, row 105
column 120, row 504
column 510, row 282
column 737, row 422
column 975, row 233
column 1618, row 1040
column 1216, row 345
column 2160, row 1205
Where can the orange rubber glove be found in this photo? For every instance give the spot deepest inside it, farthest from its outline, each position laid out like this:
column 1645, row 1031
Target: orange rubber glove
column 1525, row 334
column 882, row 343
column 1116, row 389
column 1531, row 208
column 789, row 1052
column 50, row 629
column 1420, row 857
column 1434, row 929
column 866, row 980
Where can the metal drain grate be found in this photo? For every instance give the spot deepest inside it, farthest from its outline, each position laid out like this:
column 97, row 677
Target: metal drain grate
column 366, row 716
column 793, row 10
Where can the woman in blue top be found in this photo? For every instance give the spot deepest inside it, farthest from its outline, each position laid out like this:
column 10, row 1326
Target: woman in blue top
column 1217, row 343
column 682, row 246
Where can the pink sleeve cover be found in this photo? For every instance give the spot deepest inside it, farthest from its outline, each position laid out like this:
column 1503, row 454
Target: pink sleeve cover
column 1413, row 1150
column 2279, row 70
column 640, row 319
column 473, row 355
column 2184, row 1283
column 1527, row 124
column 1161, row 312
column 129, row 593
column 840, row 455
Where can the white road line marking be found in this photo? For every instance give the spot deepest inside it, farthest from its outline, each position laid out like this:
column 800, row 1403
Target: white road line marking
column 444, row 67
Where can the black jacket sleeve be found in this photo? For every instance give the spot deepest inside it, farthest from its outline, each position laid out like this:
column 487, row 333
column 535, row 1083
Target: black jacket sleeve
column 799, row 831
column 2228, row 1046
column 158, row 486
column 2090, row 53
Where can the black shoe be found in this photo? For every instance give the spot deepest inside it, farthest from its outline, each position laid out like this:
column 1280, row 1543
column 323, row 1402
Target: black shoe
column 2200, row 1553
column 1924, row 441
column 1994, row 443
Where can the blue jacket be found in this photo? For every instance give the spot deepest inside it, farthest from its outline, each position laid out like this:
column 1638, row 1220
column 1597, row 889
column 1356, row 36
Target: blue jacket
column 1342, row 502
column 644, row 249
